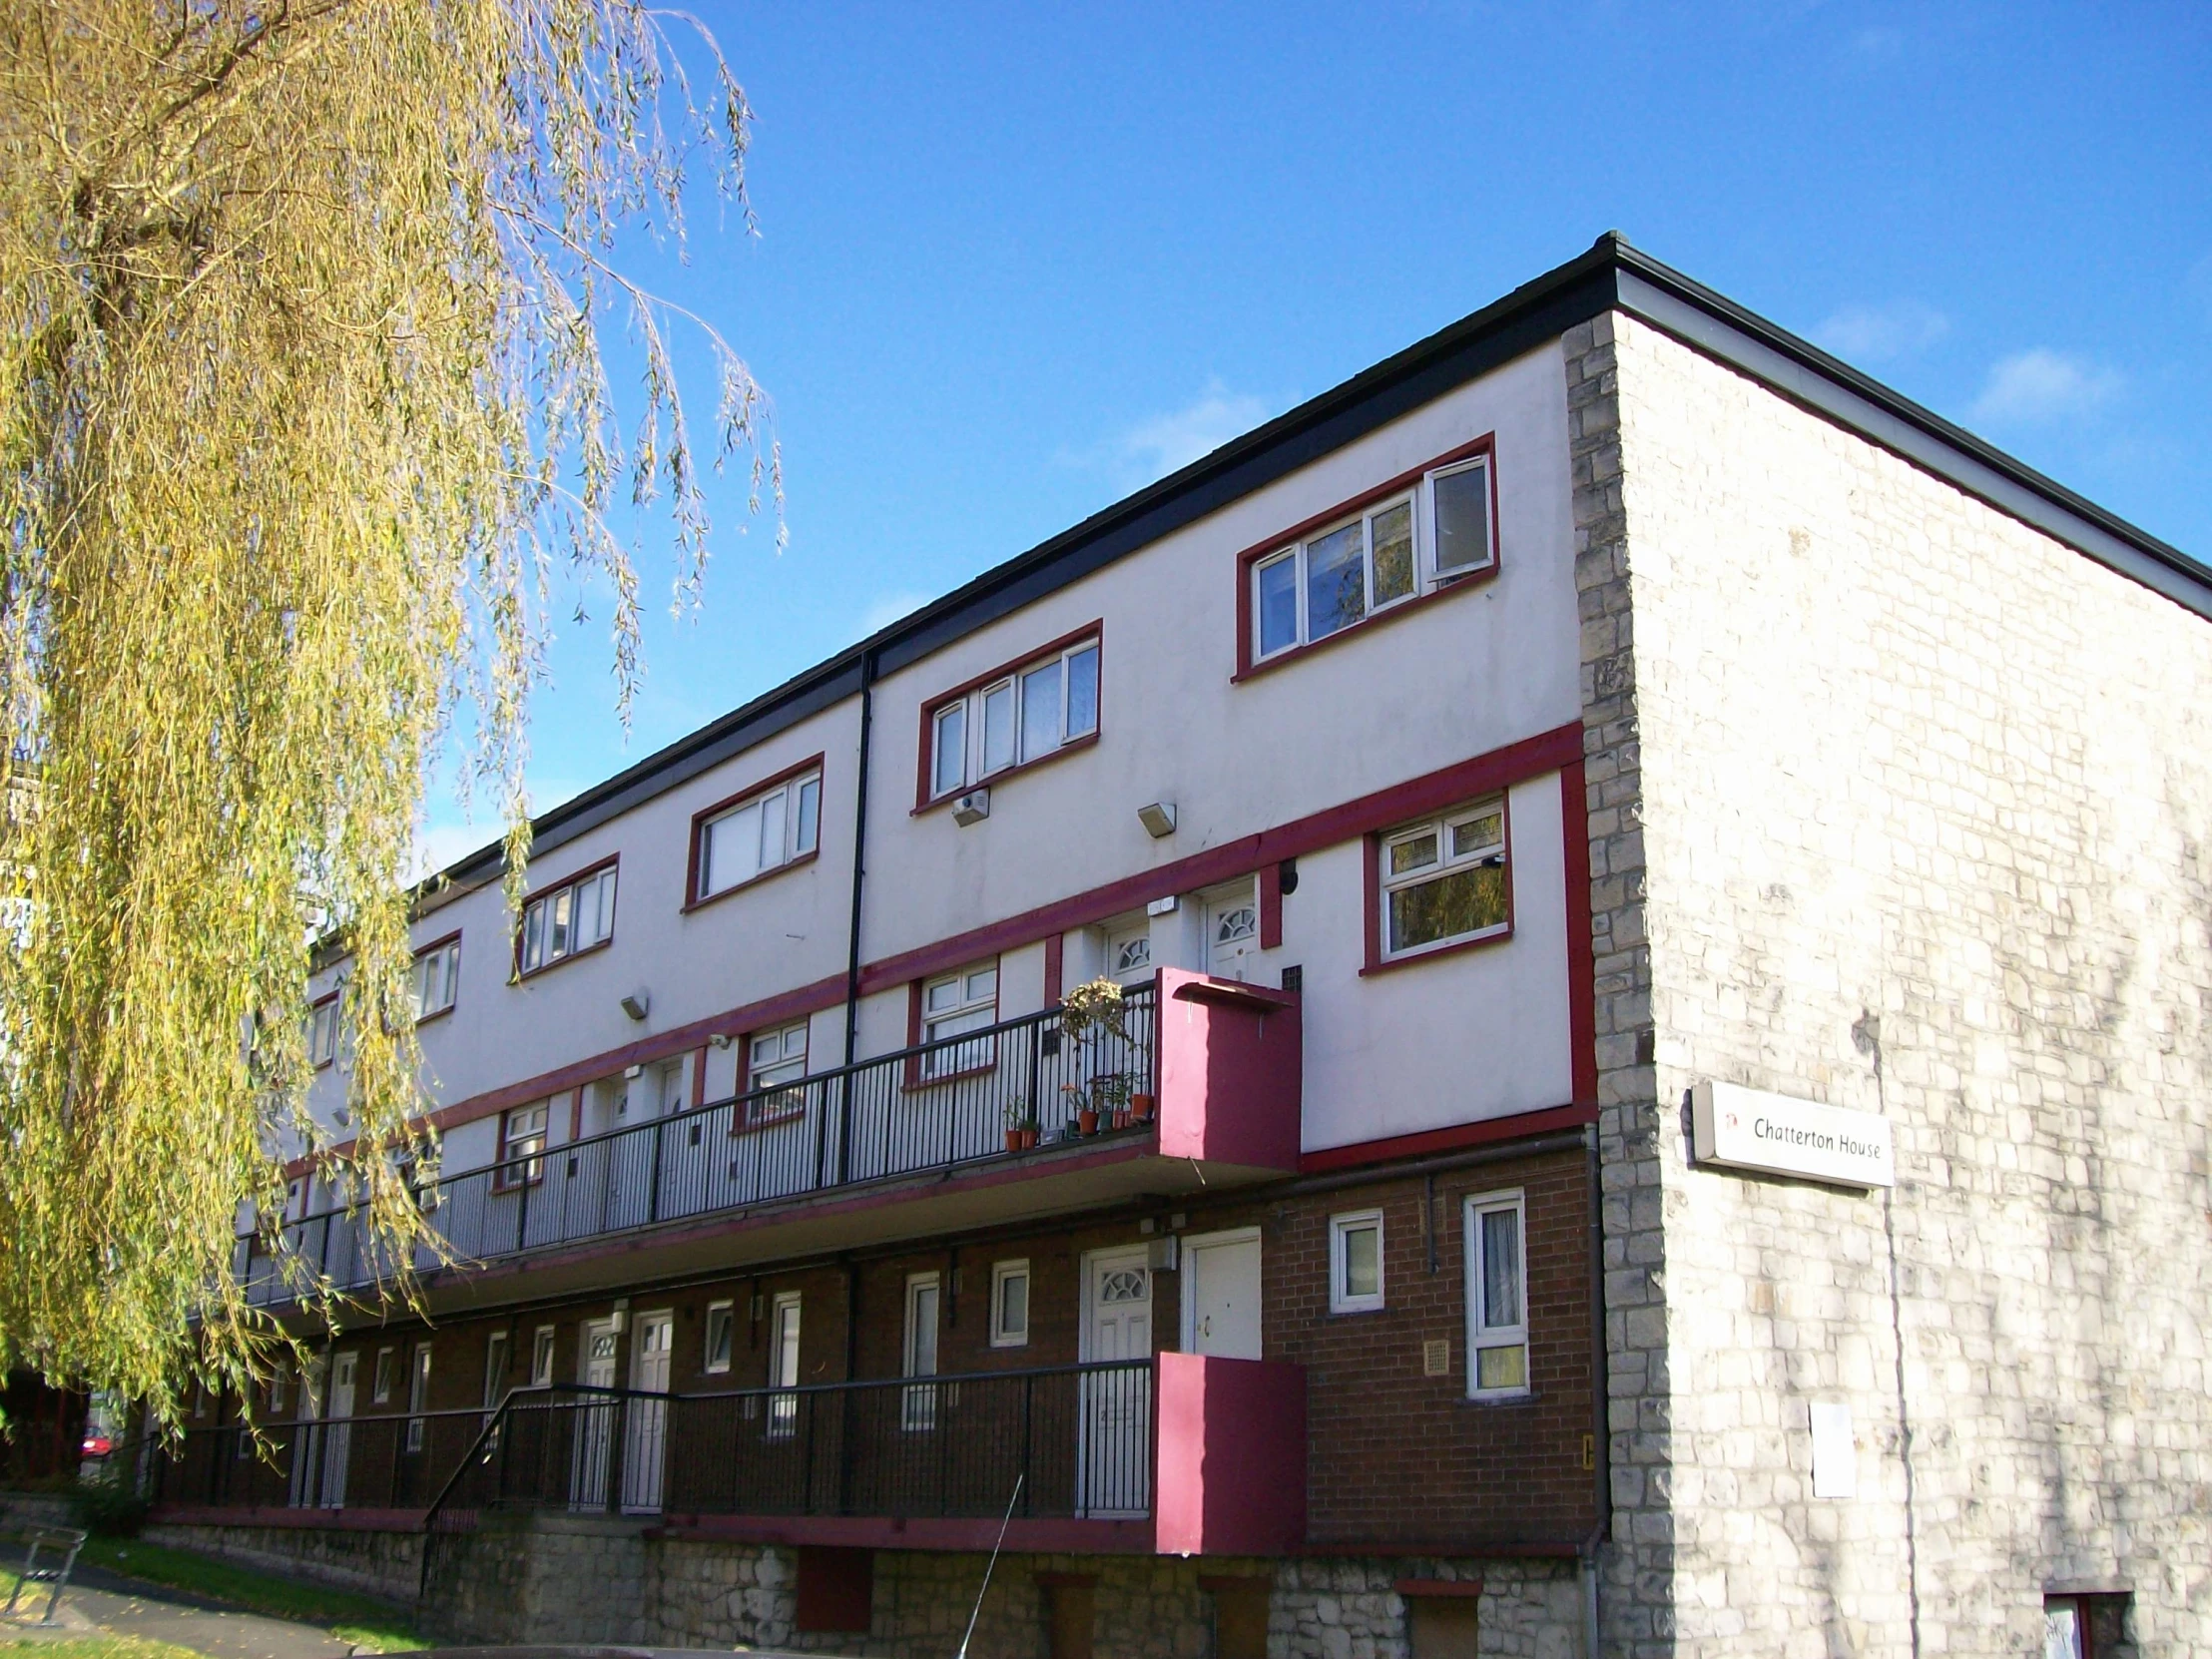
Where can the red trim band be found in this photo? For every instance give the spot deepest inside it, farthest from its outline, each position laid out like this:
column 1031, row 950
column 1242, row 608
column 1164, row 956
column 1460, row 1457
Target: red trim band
column 1458, row 1137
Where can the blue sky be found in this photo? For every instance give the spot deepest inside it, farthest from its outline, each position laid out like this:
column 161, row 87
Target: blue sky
column 1016, row 262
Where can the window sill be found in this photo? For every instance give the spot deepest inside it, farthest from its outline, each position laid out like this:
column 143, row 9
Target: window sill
column 937, row 803
column 1359, row 1313
column 524, row 975
column 1444, row 589
column 434, row 1015
column 915, row 1080
column 751, row 882
column 773, row 1120
column 1527, row 1396
column 1429, row 954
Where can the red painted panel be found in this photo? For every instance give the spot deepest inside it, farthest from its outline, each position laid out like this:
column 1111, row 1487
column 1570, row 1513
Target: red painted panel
column 836, row 1588
column 1232, row 1456
column 1230, row 1067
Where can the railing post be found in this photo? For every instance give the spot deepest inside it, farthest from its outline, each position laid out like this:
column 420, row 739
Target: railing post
column 844, row 1127
column 522, row 1208
column 653, row 1201
column 618, row 1424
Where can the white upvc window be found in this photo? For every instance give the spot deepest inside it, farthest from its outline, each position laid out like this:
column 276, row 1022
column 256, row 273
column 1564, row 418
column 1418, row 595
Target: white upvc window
column 495, row 1370
column 1356, row 1262
column 722, row 1319
column 1010, row 1304
column 1386, row 553
column 323, row 1030
column 280, row 1388
column 418, row 1395
column 919, row 1411
column 778, row 1057
column 437, row 978
column 957, row 1003
column 571, row 919
column 782, row 1420
column 758, row 834
column 1445, row 881
column 1021, row 717
column 382, row 1379
column 521, row 1147
column 1497, row 1295
column 541, row 1358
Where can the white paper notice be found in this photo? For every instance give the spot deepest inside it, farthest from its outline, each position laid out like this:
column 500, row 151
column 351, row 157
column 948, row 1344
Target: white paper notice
column 1835, row 1458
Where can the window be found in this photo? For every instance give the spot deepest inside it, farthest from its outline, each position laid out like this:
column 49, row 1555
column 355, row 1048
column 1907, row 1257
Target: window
column 541, row 1358
column 1009, row 1305
column 918, row 1410
column 1356, row 1263
column 418, row 1395
column 764, row 832
column 382, row 1379
column 783, row 1417
column 568, row 920
column 1129, row 956
column 1403, row 545
column 1019, row 715
column 521, row 1148
column 323, row 1031
column 280, row 1388
column 720, row 1322
column 963, row 1001
column 775, row 1058
column 437, row 978
column 495, row 1369
column 1445, row 881
column 1497, row 1299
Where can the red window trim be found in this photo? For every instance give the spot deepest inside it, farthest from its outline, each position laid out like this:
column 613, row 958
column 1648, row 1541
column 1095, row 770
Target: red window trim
column 521, row 974
column 925, row 748
column 913, row 1078
column 439, row 943
column 693, row 899
column 1373, row 886
column 1247, row 668
column 338, row 1039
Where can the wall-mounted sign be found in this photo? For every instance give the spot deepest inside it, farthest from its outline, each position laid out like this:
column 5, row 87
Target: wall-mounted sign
column 1752, row 1129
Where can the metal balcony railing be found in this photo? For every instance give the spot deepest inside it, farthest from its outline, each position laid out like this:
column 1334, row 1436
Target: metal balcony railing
column 924, row 1108
column 1076, row 1439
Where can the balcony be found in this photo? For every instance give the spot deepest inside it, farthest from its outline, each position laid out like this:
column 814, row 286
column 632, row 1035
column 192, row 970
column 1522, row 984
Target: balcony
column 897, row 1146
column 1179, row 1454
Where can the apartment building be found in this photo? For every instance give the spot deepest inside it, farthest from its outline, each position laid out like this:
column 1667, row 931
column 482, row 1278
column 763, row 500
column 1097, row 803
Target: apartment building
column 1222, row 1052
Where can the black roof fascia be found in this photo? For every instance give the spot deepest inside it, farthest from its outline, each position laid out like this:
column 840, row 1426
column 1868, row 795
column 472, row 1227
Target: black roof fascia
column 1610, row 275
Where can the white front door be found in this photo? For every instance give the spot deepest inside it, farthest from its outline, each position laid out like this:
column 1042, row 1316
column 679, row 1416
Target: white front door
column 645, row 1442
column 1232, row 931
column 593, row 1416
column 1113, row 1457
column 337, row 1445
column 1221, row 1293
column 306, row 1444
column 918, row 1405
column 782, row 1420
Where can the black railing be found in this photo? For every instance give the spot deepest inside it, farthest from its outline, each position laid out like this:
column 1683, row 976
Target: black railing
column 923, row 1108
column 1077, row 1439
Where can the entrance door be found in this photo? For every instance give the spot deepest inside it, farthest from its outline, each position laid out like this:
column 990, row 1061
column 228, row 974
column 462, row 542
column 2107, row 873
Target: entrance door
column 1232, row 931
column 646, row 1436
column 338, row 1445
column 1221, row 1293
column 1113, row 1456
column 594, row 1416
column 306, row 1437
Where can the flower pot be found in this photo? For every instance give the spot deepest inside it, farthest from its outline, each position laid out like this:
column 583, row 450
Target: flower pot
column 1028, row 1137
column 1086, row 1122
column 1140, row 1107
column 1014, row 1140
column 1121, row 1117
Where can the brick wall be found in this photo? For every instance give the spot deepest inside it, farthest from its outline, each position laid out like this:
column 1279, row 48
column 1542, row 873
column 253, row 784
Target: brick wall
column 1923, row 804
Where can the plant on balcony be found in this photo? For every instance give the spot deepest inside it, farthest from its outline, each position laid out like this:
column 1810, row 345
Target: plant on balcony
column 1093, row 1007
column 1021, row 1123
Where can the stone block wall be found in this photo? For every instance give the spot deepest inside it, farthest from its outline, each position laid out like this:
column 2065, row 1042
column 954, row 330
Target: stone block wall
column 1896, row 805
column 387, row 1564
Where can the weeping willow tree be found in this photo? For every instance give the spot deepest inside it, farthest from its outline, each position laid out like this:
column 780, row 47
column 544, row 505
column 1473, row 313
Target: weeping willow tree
column 305, row 427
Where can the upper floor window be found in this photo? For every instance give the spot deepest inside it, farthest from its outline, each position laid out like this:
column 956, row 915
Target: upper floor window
column 766, row 832
column 1356, row 1262
column 1422, row 538
column 521, row 1148
column 323, row 1030
column 1017, row 716
column 437, row 978
column 1497, row 1295
column 776, row 1061
column 570, row 920
column 957, row 1003
column 1445, row 881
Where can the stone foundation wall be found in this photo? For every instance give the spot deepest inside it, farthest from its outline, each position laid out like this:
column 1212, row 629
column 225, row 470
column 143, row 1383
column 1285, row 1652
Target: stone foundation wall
column 384, row 1564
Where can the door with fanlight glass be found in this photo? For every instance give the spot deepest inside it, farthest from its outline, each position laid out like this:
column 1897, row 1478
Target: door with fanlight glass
column 1232, row 930
column 338, row 1445
column 307, row 1457
column 645, row 1419
column 1114, row 1453
column 594, row 1416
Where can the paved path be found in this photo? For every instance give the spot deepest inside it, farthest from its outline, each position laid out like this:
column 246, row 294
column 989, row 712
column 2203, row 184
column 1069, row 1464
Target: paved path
column 101, row 1602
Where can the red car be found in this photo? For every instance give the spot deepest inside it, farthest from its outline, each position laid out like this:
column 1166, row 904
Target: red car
column 96, row 1445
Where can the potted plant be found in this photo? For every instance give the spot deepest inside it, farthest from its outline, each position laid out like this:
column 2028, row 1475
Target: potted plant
column 1086, row 1115
column 1109, row 1094
column 1092, row 1007
column 1142, row 1106
column 1016, row 1114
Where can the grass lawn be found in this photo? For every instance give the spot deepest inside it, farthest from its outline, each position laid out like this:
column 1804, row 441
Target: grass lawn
column 95, row 1647
column 362, row 1620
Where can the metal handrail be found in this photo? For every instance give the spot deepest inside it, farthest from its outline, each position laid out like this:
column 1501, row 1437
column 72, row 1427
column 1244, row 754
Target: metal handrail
column 816, row 1086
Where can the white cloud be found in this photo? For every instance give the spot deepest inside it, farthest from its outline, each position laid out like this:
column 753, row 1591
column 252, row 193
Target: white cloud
column 2042, row 384
column 1159, row 445
column 1879, row 333
column 887, row 607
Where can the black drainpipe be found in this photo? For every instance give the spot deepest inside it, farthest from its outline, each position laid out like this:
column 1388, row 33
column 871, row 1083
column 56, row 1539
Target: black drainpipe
column 852, row 934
